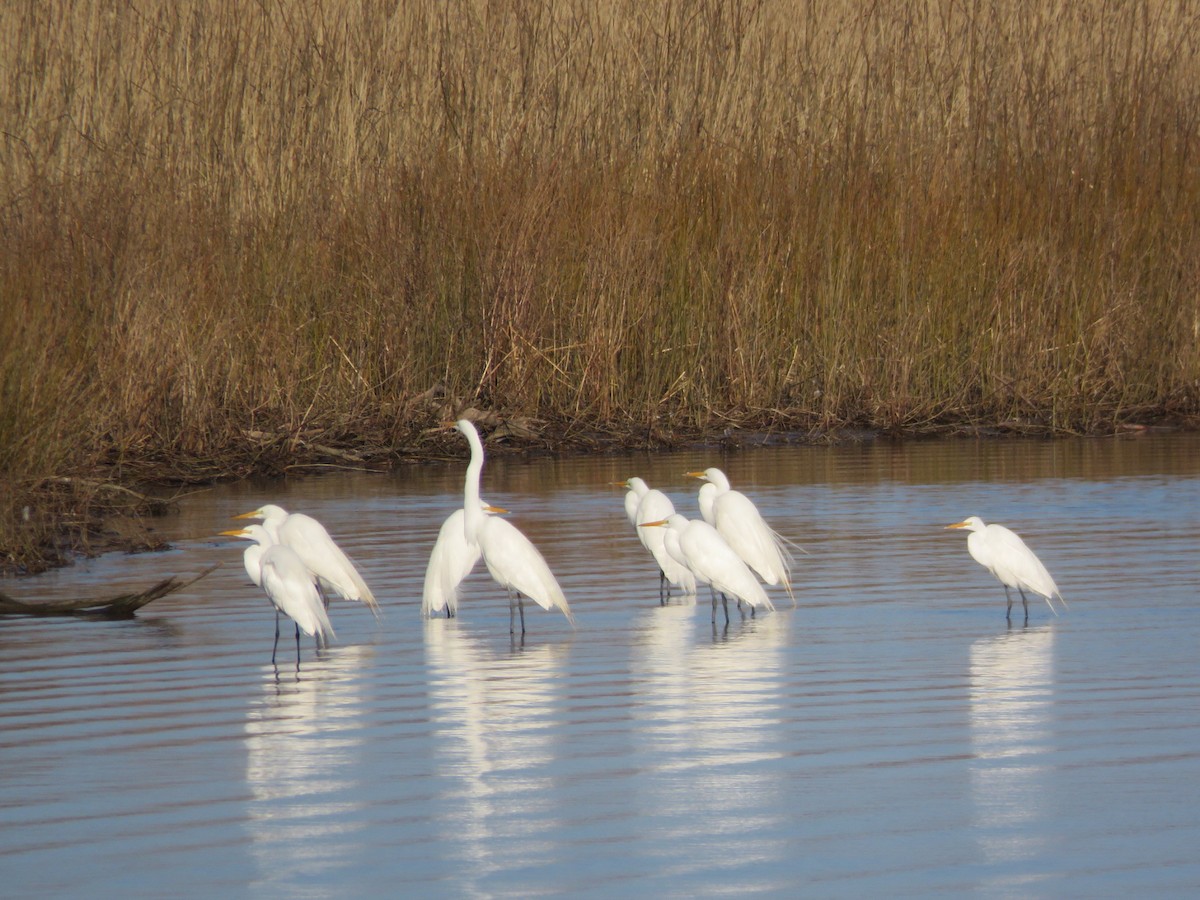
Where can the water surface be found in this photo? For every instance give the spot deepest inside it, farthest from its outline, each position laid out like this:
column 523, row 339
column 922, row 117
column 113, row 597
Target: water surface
column 892, row 734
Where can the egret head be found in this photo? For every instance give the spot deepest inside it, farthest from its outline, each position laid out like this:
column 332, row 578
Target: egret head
column 251, row 533
column 973, row 523
column 713, row 476
column 270, row 511
column 635, row 484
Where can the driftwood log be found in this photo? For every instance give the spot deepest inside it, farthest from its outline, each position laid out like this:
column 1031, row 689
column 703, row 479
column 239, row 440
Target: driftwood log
column 122, row 606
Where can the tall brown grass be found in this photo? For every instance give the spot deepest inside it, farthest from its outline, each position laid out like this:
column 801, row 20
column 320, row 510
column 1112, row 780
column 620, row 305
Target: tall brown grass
column 293, row 216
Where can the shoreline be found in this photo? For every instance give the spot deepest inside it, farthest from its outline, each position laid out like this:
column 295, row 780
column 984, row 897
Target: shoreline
column 63, row 518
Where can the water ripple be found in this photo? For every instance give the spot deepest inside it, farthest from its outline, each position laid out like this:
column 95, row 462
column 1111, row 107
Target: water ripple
column 891, row 734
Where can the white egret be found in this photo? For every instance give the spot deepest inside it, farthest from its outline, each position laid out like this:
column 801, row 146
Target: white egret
column 450, row 561
column 252, row 555
column 738, row 520
column 325, row 559
column 509, row 555
column 1003, row 553
column 289, row 586
column 636, row 489
column 706, row 498
column 643, row 504
column 706, row 553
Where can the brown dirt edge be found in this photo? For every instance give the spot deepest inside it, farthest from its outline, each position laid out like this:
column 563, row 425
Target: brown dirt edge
column 55, row 520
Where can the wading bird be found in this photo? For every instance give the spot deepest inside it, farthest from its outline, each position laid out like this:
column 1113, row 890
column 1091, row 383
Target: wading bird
column 510, row 557
column 1004, row 554
column 252, row 555
column 330, row 566
column 450, row 561
column 705, row 552
column 643, row 504
column 289, row 586
column 738, row 520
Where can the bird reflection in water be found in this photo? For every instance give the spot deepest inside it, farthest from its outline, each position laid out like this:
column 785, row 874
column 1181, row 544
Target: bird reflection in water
column 1012, row 692
column 303, row 739
column 710, row 714
column 496, row 718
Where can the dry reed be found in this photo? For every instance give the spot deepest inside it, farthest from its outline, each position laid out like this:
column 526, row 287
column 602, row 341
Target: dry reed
column 292, row 217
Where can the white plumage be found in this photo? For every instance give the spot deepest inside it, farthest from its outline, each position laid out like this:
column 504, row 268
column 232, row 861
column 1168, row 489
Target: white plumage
column 292, row 591
column 452, row 559
column 511, row 558
column 312, row 543
column 1003, row 553
column 739, row 522
column 644, row 504
column 288, row 584
column 705, row 552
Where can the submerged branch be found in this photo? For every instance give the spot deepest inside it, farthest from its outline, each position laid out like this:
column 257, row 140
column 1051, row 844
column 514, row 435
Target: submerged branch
column 122, row 606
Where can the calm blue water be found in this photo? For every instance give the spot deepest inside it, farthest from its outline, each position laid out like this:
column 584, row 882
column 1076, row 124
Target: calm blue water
column 891, row 735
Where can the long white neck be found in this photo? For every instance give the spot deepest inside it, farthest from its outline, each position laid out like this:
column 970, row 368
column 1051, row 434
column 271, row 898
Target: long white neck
column 472, row 506
column 252, row 556
column 273, row 517
column 252, row 560
column 706, row 497
column 717, row 478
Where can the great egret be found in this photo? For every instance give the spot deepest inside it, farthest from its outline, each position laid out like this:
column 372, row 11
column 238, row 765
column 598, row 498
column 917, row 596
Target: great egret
column 450, row 561
column 738, row 520
column 289, row 586
column 312, row 543
column 705, row 552
column 706, row 498
column 636, row 489
column 643, row 504
column 252, row 555
column 1005, row 555
column 510, row 557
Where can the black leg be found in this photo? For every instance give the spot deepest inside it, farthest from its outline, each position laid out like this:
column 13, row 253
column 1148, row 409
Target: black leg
column 521, row 607
column 1008, row 597
column 275, row 646
column 1024, row 603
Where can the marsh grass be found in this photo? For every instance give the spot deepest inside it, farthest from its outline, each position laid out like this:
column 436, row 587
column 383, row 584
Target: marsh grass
column 228, row 219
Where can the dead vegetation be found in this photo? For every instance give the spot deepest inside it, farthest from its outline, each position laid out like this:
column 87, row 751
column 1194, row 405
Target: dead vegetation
column 242, row 237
